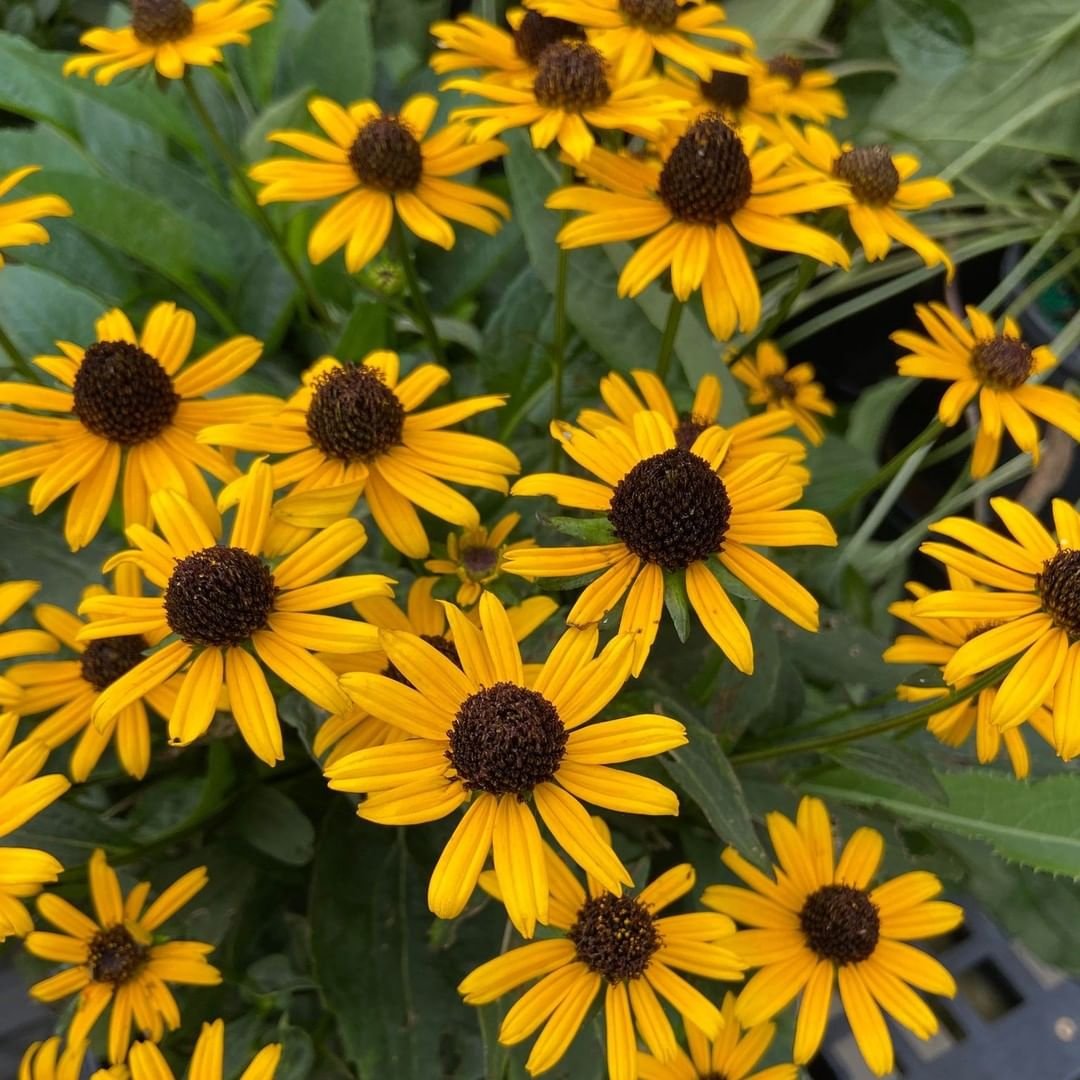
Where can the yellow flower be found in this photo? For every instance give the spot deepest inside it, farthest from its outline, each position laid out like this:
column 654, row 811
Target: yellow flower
column 632, row 33
column 23, row 794
column 424, row 616
column 819, row 924
column 476, row 555
column 615, row 941
column 19, row 219
column 119, row 957
column 354, row 428
column 732, row 1055
column 744, row 97
column 789, row 88
column 45, row 1061
column 381, row 164
column 714, row 189
column 977, row 359
column 485, row 735
column 787, row 390
column 170, row 35
column 130, row 412
column 880, row 192
column 1032, row 611
column 220, row 601
column 937, row 645
column 676, row 510
column 207, row 1059
column 572, row 88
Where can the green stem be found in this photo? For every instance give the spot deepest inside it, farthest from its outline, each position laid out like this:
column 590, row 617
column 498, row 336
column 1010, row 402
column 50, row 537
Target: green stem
column 839, row 714
column 18, row 361
column 807, row 269
column 421, row 311
column 558, row 342
column 667, row 342
column 882, row 727
column 259, row 212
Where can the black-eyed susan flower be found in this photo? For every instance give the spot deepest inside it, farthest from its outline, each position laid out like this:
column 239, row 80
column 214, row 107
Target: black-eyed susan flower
column 715, row 189
column 819, row 925
column 572, row 90
column 46, row 1061
column 207, row 1062
column 784, row 389
column 118, row 957
column 732, row 1055
column 128, row 414
column 220, row 601
column 745, row 99
column 475, row 557
column 619, row 943
column 170, row 35
column 632, row 33
column 483, row 734
column 998, row 366
column 790, row 88
column 376, row 165
column 881, row 191
column 424, row 616
column 676, row 510
column 19, row 218
column 936, row 645
column 354, row 429
column 1031, row 610
column 23, row 795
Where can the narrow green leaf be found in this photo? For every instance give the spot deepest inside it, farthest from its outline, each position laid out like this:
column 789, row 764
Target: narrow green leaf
column 677, row 604
column 593, row 530
column 870, row 415
column 337, row 53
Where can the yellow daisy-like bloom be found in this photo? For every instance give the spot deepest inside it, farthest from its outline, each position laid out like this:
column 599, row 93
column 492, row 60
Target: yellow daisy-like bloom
column 714, row 189
column 789, row 88
column 129, row 414
column 424, row 616
column 673, row 509
column 19, row 218
column 1031, row 611
column 937, row 645
column 118, row 956
column 475, row 557
column 146, row 1061
column 170, row 35
column 377, row 165
column 997, row 366
column 881, row 193
column 732, row 1056
column 746, row 99
column 219, row 601
column 618, row 942
column 571, row 89
column 46, row 1061
column 484, row 734
column 820, row 924
column 354, row 429
column 786, row 390
column 632, row 33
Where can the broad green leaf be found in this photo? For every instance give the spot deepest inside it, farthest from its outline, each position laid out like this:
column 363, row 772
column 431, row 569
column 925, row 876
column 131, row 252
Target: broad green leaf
column 845, row 652
column 273, row 824
column 780, row 24
column 38, row 308
column 593, row 530
column 870, row 415
column 336, row 55
column 893, row 762
column 836, row 469
column 365, row 330
column 930, row 38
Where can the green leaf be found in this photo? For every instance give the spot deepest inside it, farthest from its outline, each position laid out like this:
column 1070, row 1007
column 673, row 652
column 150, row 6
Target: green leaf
column 336, row 55
column 836, row 469
column 1034, row 823
column 779, row 24
column 678, row 606
column 365, row 330
column 594, row 530
column 870, row 415
column 844, row 651
column 893, row 762
column 38, row 308
column 930, row 38
column 273, row 824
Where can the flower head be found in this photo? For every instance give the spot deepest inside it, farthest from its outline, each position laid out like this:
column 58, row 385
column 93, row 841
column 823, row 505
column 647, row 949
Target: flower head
column 46, row 1061
column 118, row 957
column 146, row 1061
column 376, row 165
column 790, row 88
column 745, row 97
column 485, row 735
column 475, row 557
column 819, row 923
column 19, row 218
column 999, row 367
column 170, row 35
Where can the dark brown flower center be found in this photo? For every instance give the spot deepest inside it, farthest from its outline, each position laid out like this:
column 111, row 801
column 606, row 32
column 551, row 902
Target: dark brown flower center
column 107, row 659
column 781, row 387
column 1003, row 363
column 656, row 16
column 385, row 155
column 479, row 561
column 436, row 641
column 123, row 394
column 671, row 509
column 690, row 427
column 571, row 75
column 841, row 924
column 787, row 67
column 706, row 178
column 727, row 90
column 505, row 740
column 115, row 956
column 870, row 173
column 219, row 596
column 1059, row 587
column 158, row 21
column 536, row 32
column 353, row 414
column 615, row 936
